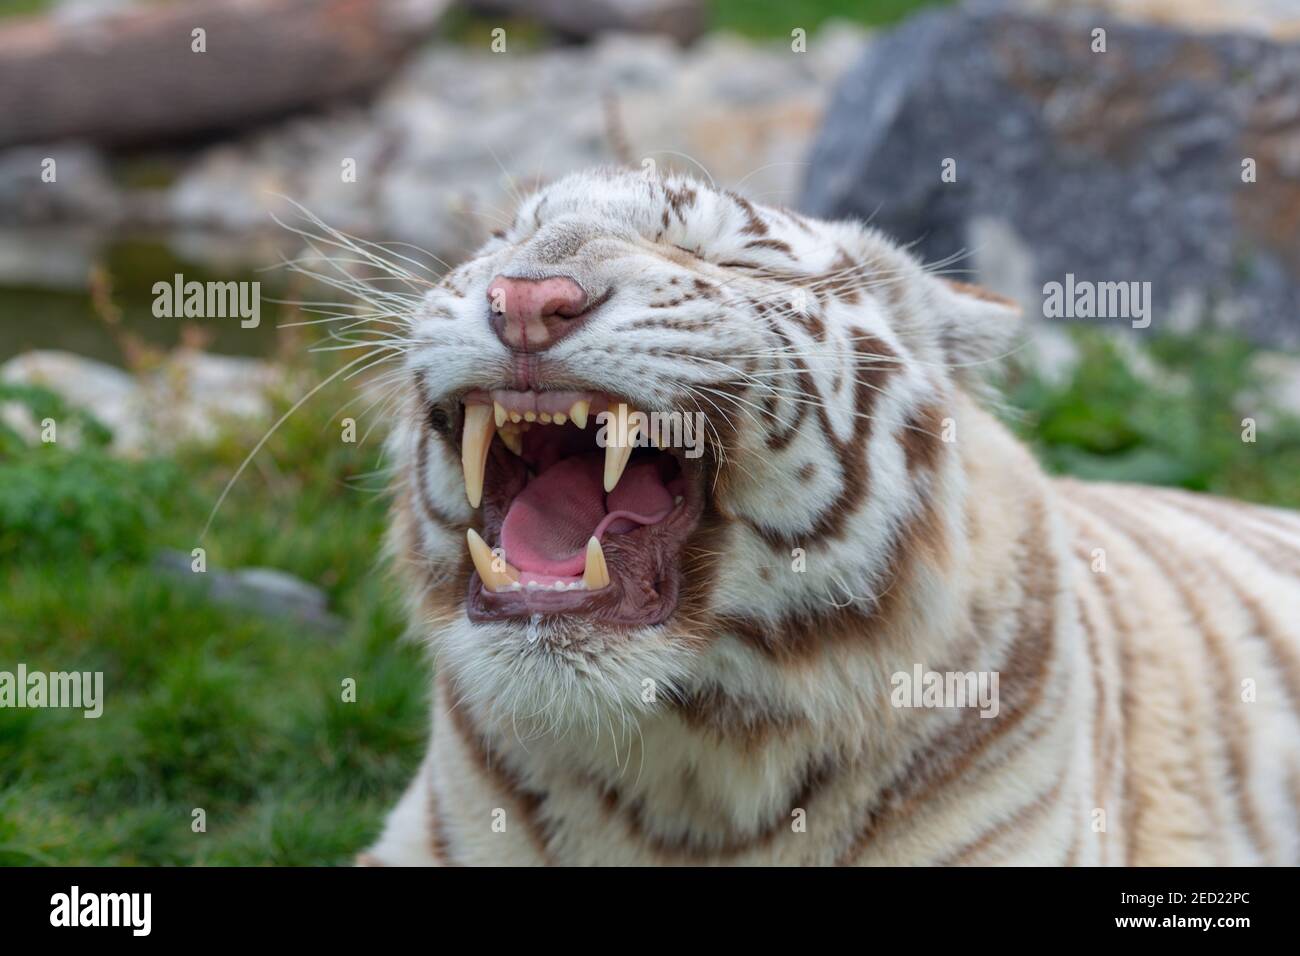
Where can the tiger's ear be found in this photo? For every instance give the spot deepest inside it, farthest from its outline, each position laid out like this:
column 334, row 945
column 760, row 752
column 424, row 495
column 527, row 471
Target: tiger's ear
column 976, row 328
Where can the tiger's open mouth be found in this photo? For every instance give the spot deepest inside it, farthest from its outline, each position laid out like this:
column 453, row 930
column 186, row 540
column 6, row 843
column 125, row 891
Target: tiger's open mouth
column 580, row 515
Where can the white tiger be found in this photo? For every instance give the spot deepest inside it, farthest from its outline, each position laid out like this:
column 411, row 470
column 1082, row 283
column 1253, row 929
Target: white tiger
column 644, row 658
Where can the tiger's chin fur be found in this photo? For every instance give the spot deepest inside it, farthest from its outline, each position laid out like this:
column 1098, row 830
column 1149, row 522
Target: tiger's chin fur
column 859, row 515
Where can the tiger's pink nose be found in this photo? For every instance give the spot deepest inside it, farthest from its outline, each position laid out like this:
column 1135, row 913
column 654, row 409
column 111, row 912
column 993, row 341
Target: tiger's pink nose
column 530, row 315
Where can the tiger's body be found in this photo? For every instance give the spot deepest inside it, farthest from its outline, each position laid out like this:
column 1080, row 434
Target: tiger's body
column 861, row 516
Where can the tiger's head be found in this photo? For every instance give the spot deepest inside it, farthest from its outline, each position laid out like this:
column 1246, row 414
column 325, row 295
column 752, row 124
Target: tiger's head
column 652, row 424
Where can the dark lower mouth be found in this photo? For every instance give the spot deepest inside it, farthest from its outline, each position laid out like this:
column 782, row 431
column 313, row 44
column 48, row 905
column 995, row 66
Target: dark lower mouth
column 572, row 525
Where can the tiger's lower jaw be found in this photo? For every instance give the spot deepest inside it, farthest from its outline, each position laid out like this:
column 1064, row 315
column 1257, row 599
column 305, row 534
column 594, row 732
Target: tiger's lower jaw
column 634, row 601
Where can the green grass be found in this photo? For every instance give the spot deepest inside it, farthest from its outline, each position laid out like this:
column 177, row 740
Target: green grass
column 765, row 19
column 17, row 8
column 205, row 706
column 1179, row 424
column 776, row 18
column 242, row 716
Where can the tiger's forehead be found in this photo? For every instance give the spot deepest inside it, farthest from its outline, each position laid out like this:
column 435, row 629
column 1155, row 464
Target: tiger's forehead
column 720, row 226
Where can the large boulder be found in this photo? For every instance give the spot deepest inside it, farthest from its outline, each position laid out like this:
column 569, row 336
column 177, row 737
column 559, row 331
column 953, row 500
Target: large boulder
column 1277, row 18
column 1123, row 165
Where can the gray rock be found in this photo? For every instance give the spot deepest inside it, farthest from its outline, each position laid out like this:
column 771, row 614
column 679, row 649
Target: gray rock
column 56, row 183
column 1114, row 166
column 265, row 591
column 108, row 393
column 1279, row 18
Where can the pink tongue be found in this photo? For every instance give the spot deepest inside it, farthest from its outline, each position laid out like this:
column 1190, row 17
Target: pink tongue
column 549, row 522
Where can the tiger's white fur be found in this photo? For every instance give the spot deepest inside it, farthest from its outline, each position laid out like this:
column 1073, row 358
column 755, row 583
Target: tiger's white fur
column 1122, row 735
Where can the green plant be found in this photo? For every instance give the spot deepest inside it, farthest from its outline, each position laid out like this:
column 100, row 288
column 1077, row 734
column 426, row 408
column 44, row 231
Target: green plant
column 70, row 496
column 776, row 18
column 1176, row 422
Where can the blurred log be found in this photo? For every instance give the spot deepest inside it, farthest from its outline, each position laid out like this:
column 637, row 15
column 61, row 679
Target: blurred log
column 134, row 77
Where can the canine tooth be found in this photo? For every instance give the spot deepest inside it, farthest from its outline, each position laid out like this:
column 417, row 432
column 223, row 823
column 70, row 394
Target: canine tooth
column 578, row 412
column 596, row 574
column 500, row 413
column 559, row 418
column 545, row 418
column 483, row 559
column 618, row 446
column 511, row 438
column 474, row 444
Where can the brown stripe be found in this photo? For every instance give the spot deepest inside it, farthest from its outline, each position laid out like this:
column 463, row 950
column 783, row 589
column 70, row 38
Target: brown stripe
column 776, row 245
column 811, row 322
column 1284, row 521
column 1274, row 550
column 1120, row 521
column 439, row 841
column 652, row 323
column 880, row 363
column 528, row 803
column 1195, row 744
column 734, row 720
column 1101, row 737
column 795, row 218
column 432, row 512
column 1115, row 609
column 1022, row 818
column 949, row 755
column 779, row 434
column 1123, row 629
column 921, row 439
column 816, row 775
column 979, row 292
column 1076, row 842
column 798, row 637
column 843, row 280
column 1197, row 748
column 1281, row 654
column 754, row 224
column 680, row 198
column 1277, row 645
